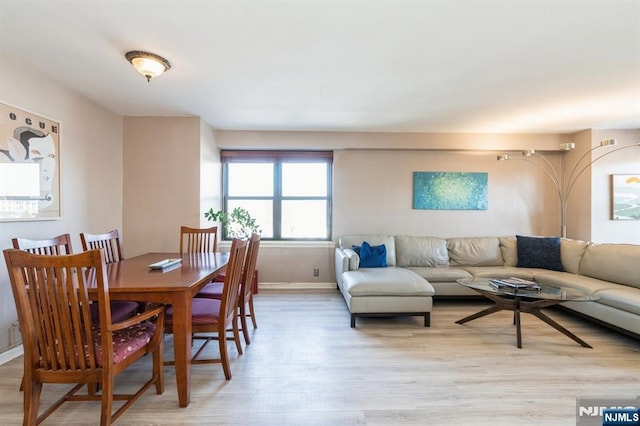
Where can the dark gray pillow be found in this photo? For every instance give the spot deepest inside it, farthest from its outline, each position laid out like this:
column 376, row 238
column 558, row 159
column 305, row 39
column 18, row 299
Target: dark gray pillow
column 539, row 252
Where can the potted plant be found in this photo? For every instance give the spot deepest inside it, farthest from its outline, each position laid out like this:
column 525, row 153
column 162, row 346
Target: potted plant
column 237, row 224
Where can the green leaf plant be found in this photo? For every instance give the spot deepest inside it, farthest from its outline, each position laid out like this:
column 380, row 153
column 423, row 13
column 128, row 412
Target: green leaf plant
column 237, row 224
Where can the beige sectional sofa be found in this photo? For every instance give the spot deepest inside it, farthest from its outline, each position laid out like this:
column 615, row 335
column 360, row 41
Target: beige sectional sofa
column 422, row 267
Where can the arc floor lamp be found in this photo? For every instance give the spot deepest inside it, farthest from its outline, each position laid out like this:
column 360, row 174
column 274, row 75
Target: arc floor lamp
column 565, row 180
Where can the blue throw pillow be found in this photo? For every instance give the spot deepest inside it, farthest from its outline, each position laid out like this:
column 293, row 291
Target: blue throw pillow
column 539, row 252
column 372, row 256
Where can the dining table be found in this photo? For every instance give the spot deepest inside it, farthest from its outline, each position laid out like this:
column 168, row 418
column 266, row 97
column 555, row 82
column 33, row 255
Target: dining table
column 134, row 279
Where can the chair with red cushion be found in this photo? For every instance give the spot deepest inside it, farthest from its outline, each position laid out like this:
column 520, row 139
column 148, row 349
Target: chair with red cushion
column 60, row 245
column 245, row 297
column 62, row 345
column 110, row 243
column 217, row 315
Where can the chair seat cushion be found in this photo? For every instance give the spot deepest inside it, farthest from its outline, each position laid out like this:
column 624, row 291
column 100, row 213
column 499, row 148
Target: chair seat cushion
column 212, row 291
column 204, row 311
column 120, row 311
column 125, row 342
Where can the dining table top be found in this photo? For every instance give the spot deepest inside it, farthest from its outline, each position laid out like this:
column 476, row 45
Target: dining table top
column 135, row 273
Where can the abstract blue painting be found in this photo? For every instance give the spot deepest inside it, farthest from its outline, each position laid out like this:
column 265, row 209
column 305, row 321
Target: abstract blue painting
column 450, row 191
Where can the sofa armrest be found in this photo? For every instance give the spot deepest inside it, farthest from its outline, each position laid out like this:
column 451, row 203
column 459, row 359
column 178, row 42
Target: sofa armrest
column 345, row 260
column 341, row 264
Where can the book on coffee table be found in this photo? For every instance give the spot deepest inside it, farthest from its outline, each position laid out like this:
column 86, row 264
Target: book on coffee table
column 514, row 282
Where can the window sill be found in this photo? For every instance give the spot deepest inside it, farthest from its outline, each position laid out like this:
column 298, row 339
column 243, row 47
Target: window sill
column 286, row 244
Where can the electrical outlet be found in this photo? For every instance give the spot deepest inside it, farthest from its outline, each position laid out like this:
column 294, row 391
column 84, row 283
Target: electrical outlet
column 316, row 272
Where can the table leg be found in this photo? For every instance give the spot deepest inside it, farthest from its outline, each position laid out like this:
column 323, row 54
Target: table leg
column 561, row 329
column 516, row 318
column 482, row 313
column 500, row 305
column 182, row 345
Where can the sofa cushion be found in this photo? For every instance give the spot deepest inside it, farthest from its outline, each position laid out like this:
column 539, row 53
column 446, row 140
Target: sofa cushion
column 587, row 285
column 539, row 252
column 618, row 263
column 475, row 251
column 621, row 297
column 421, row 251
column 347, row 241
column 509, row 249
column 500, row 272
column 385, row 282
column 372, row 256
column 446, row 274
column 571, row 252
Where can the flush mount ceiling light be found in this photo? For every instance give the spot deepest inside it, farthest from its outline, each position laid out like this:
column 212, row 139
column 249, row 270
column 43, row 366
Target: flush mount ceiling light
column 148, row 64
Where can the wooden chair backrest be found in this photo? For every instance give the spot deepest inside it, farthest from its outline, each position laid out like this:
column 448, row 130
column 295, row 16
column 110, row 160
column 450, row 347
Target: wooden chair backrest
column 231, row 288
column 246, row 282
column 198, row 240
column 54, row 246
column 109, row 242
column 52, row 300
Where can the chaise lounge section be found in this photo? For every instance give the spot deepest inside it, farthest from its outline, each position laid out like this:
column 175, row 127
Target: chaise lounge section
column 381, row 291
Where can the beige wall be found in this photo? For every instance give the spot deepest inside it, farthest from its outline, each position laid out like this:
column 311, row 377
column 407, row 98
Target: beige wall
column 373, row 193
column 91, row 168
column 162, row 181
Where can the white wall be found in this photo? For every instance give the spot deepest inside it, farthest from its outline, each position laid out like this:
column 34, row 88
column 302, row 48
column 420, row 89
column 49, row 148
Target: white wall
column 627, row 161
column 91, row 167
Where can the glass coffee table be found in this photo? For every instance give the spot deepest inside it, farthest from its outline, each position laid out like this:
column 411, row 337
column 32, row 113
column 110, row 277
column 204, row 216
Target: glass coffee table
column 524, row 300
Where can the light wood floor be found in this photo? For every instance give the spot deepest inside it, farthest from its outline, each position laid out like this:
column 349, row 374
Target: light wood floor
column 306, row 366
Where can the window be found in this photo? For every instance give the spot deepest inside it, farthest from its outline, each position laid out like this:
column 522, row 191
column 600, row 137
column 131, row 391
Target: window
column 287, row 192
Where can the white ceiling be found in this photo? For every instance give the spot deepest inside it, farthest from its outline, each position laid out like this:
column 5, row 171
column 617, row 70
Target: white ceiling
column 495, row 66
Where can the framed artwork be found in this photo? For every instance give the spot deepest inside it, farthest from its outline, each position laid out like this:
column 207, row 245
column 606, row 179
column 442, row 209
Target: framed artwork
column 450, row 191
column 29, row 166
column 625, row 197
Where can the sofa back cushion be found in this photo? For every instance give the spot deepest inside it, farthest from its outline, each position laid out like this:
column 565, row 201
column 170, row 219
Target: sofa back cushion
column 571, row 252
column 475, row 251
column 618, row 263
column 509, row 250
column 348, row 241
column 412, row 251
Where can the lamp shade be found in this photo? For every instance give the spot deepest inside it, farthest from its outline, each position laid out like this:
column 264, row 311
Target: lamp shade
column 148, row 64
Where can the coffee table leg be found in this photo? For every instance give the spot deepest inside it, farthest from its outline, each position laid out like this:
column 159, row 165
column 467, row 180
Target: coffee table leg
column 516, row 318
column 482, row 313
column 561, row 329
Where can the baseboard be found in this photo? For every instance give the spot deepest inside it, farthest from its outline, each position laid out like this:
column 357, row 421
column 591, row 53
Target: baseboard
column 296, row 286
column 10, row 354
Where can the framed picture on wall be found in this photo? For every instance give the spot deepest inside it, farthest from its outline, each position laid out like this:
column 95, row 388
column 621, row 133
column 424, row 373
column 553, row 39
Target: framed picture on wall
column 625, row 197
column 450, row 191
column 29, row 166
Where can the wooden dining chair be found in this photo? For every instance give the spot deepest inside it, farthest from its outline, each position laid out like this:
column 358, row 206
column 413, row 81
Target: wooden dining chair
column 62, row 345
column 216, row 316
column 53, row 246
column 110, row 243
column 60, row 245
column 245, row 296
column 198, row 240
